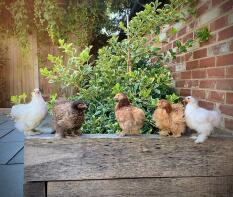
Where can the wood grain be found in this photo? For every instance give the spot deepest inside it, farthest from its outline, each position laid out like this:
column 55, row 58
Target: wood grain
column 19, row 72
column 162, row 187
column 35, row 189
column 134, row 157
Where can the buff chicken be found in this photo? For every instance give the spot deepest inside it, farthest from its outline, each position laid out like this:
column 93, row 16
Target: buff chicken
column 169, row 118
column 131, row 119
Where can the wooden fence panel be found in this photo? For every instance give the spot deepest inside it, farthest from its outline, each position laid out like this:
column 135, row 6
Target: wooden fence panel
column 19, row 72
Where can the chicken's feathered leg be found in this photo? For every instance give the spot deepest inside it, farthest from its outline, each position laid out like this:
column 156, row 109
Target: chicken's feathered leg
column 59, row 132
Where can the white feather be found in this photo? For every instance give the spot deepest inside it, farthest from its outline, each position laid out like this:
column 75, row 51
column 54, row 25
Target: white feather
column 29, row 116
column 200, row 119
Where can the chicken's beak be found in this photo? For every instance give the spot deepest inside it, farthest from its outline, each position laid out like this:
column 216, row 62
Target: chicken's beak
column 84, row 106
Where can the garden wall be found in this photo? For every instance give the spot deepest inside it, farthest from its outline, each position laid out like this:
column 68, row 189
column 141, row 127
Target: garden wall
column 206, row 72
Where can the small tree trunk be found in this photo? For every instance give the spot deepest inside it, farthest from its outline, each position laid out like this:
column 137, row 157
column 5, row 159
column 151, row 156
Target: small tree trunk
column 129, row 66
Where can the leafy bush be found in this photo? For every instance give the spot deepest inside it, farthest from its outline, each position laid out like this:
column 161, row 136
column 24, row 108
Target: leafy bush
column 17, row 99
column 124, row 66
column 71, row 71
column 51, row 102
column 203, row 34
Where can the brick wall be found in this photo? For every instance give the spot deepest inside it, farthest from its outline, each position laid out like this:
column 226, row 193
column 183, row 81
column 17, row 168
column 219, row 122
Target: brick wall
column 206, row 71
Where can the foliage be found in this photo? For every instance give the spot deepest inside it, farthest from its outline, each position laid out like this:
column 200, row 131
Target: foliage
column 74, row 71
column 173, row 98
column 144, row 83
column 203, row 34
column 79, row 20
column 70, row 20
column 17, row 99
column 21, row 26
column 51, row 102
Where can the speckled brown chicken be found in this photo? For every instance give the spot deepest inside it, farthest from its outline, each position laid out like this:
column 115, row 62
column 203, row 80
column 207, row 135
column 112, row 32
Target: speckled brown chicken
column 68, row 118
column 131, row 119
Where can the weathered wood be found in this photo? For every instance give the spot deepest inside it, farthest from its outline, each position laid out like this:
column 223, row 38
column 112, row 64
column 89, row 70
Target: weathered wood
column 134, row 157
column 35, row 189
column 19, row 71
column 163, row 187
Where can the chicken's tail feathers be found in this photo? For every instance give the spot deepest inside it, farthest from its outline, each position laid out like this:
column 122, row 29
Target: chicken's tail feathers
column 21, row 126
column 217, row 108
column 216, row 118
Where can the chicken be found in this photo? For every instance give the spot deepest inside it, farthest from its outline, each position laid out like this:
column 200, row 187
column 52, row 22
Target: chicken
column 200, row 119
column 28, row 116
column 169, row 118
column 68, row 117
column 131, row 119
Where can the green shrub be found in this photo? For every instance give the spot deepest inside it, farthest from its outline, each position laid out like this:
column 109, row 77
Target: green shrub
column 127, row 67
column 203, row 34
column 18, row 99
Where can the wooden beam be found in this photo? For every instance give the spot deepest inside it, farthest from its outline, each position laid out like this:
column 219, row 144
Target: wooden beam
column 166, row 187
column 134, row 157
column 35, row 189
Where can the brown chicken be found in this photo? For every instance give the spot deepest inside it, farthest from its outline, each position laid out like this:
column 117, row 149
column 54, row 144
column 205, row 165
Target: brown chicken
column 169, row 118
column 68, row 118
column 131, row 119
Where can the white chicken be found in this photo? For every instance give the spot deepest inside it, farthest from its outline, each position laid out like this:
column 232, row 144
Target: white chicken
column 28, row 116
column 200, row 119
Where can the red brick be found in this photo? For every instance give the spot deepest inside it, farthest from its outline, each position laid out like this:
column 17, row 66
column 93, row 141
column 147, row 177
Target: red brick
column 226, row 33
column 227, row 109
column 193, row 83
column 202, row 9
column 207, row 84
column 166, row 47
column 187, row 83
column 192, row 24
column 185, row 92
column 172, row 38
column 222, row 48
column 216, row 72
column 229, row 98
column 206, row 105
column 216, row 2
column 179, row 59
column 198, row 74
column 198, row 94
column 225, row 60
column 180, row 84
column 176, row 76
column 219, row 23
column 229, row 72
column 225, row 84
column 226, row 6
column 185, row 75
column 229, row 124
column 188, row 56
column 216, row 96
column 182, row 32
column 200, row 53
column 188, row 37
column 192, row 65
column 207, row 62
